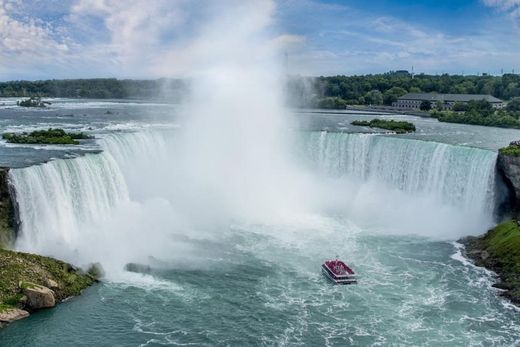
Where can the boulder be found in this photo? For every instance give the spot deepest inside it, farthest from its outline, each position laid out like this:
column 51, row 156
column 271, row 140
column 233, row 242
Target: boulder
column 12, row 314
column 52, row 284
column 96, row 271
column 139, row 268
column 38, row 296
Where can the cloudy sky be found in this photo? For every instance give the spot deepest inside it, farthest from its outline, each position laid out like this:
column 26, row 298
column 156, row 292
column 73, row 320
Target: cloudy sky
column 42, row 39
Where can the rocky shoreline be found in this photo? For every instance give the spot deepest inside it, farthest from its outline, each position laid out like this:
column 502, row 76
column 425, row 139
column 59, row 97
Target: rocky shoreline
column 499, row 250
column 30, row 282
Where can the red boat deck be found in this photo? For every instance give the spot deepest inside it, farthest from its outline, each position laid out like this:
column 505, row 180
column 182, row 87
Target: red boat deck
column 339, row 268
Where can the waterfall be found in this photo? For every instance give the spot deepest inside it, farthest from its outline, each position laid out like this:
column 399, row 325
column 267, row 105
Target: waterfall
column 125, row 203
column 456, row 175
column 63, row 198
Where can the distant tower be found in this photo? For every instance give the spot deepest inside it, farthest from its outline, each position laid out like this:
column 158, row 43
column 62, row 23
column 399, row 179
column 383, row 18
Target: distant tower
column 501, row 71
column 413, row 72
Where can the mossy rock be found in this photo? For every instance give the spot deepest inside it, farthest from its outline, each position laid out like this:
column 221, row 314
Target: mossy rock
column 19, row 270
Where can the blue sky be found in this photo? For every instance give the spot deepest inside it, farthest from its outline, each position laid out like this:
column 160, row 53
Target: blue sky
column 111, row 38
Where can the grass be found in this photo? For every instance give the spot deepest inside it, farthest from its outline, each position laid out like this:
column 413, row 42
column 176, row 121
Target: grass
column 502, row 244
column 400, row 127
column 30, row 269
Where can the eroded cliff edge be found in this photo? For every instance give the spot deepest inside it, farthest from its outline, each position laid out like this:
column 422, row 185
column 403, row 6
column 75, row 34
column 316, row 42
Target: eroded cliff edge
column 30, row 282
column 8, row 219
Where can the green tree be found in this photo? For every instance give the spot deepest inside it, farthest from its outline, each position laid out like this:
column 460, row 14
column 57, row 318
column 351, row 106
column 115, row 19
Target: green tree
column 425, row 105
column 513, row 105
column 392, row 94
column 374, row 97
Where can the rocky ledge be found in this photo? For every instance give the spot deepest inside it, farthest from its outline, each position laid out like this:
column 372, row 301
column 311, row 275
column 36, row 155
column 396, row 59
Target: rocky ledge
column 499, row 251
column 31, row 282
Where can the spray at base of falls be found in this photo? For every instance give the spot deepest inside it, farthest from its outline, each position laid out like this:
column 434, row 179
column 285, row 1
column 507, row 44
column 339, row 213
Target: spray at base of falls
column 114, row 208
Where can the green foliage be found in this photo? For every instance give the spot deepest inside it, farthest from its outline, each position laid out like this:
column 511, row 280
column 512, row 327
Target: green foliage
column 29, row 269
column 399, row 127
column 511, row 150
column 33, row 102
column 514, row 105
column 99, row 88
column 503, row 245
column 332, row 103
column 425, row 105
column 353, row 87
column 374, row 97
column 392, row 94
column 499, row 118
column 50, row 136
column 459, row 107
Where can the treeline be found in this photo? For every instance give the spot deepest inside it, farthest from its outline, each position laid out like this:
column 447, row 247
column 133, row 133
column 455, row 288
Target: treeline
column 384, row 89
column 99, row 88
column 482, row 112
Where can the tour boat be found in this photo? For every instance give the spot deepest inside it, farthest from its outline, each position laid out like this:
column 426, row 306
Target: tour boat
column 338, row 272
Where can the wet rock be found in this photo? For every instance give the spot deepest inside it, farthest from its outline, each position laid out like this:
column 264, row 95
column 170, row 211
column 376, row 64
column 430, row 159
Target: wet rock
column 95, row 270
column 38, row 297
column 11, row 314
column 139, row 268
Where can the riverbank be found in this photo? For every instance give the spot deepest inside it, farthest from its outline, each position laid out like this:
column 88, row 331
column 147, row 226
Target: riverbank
column 30, row 282
column 499, row 251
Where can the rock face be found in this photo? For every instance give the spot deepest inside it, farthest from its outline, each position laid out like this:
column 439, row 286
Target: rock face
column 7, row 211
column 12, row 314
column 509, row 168
column 38, row 297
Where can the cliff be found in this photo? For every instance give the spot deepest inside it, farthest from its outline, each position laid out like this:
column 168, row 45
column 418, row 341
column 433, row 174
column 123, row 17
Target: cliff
column 7, row 211
column 499, row 250
column 508, row 166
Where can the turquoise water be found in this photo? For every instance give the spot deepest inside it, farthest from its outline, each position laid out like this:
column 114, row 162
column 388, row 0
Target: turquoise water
column 390, row 207
column 260, row 290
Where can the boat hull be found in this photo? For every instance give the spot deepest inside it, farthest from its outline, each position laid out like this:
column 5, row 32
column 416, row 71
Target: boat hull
column 343, row 279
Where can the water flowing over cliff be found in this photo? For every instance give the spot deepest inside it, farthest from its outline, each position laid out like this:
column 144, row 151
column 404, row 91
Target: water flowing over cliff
column 132, row 196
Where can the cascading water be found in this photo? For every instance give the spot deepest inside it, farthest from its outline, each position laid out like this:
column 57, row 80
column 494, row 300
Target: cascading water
column 402, row 186
column 456, row 175
column 63, row 200
column 70, row 207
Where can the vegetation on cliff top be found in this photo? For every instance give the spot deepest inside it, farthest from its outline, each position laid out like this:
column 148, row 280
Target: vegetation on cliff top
column 512, row 150
column 17, row 267
column 399, row 127
column 50, row 136
column 499, row 250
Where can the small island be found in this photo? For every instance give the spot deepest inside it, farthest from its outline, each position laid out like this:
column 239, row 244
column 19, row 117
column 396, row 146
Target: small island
column 33, row 102
column 400, row 127
column 46, row 137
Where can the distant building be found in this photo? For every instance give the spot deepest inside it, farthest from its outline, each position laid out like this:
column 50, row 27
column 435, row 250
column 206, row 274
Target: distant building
column 413, row 100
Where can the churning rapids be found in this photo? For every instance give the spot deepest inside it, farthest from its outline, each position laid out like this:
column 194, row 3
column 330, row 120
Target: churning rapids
column 389, row 206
